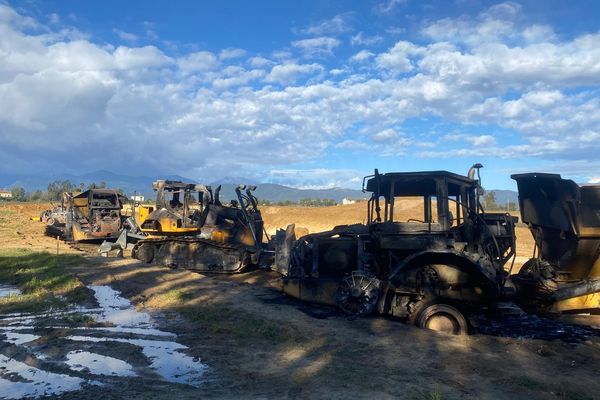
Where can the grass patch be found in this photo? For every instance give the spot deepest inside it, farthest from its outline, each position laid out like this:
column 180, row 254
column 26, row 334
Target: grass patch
column 78, row 319
column 43, row 280
column 170, row 298
column 237, row 325
column 428, row 395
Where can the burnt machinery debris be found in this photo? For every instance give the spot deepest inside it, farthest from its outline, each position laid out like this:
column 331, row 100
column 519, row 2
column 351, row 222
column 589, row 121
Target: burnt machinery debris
column 563, row 275
column 432, row 269
column 93, row 215
column 190, row 228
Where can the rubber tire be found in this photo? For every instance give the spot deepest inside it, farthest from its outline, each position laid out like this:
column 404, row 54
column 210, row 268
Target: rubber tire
column 50, row 221
column 451, row 319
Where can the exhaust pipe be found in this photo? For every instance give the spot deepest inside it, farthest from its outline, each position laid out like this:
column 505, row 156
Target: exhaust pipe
column 474, row 167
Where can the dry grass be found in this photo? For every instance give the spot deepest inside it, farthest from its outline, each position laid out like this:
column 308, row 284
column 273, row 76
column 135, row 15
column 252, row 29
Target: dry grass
column 317, row 219
column 18, row 231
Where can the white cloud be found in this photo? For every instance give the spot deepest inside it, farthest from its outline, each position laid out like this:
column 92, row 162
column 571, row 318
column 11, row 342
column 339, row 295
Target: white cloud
column 54, row 18
column 338, row 24
column 237, row 77
column 362, row 56
column 198, row 61
column 228, row 54
column 360, row 39
column 398, row 58
column 595, row 180
column 386, row 135
column 127, row 36
column 474, row 140
column 290, row 73
column 317, row 47
column 318, row 178
column 259, row 62
column 387, row 6
column 139, row 57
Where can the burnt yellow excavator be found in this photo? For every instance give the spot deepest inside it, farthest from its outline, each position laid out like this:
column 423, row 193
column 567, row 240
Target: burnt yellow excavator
column 563, row 276
column 190, row 228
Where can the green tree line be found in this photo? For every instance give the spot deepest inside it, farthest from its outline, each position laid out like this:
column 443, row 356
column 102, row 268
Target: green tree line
column 54, row 191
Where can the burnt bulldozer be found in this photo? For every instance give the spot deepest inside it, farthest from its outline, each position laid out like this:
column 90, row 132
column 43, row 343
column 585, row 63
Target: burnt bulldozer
column 428, row 253
column 563, row 275
column 192, row 229
column 93, row 215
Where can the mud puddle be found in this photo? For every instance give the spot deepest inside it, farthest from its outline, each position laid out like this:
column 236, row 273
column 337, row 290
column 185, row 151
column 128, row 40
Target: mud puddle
column 6, row 291
column 50, row 357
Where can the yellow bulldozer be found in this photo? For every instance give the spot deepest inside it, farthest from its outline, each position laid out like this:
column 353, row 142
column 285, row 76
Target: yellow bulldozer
column 190, row 228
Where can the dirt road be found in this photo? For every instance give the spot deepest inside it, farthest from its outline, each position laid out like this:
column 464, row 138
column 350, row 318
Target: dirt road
column 256, row 343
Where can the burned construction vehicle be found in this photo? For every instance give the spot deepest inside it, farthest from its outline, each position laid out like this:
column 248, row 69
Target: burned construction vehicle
column 192, row 229
column 93, row 215
column 563, row 275
column 55, row 216
column 432, row 269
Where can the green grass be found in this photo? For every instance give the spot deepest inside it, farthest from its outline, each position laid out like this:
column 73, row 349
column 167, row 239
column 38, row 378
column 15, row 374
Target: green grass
column 428, row 395
column 230, row 324
column 43, row 280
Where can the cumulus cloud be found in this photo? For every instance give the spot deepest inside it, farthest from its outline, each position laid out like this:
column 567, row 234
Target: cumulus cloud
column 399, row 58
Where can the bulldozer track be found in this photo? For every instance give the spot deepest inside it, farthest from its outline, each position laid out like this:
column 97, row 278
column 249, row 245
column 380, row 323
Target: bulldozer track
column 196, row 254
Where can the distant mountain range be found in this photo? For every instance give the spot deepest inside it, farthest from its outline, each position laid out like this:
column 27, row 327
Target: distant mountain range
column 143, row 185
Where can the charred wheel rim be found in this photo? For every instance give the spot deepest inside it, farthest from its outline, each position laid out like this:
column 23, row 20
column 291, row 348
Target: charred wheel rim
column 442, row 318
column 358, row 293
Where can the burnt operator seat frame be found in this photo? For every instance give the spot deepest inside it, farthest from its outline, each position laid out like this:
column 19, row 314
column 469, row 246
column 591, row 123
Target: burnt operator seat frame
column 173, row 214
column 455, row 253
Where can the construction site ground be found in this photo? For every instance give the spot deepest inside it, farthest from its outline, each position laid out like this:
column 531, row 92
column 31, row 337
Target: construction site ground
column 257, row 343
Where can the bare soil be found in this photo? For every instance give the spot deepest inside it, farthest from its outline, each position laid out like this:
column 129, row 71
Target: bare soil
column 260, row 344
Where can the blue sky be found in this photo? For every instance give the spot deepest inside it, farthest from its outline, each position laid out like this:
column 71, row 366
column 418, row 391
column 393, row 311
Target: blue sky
column 304, row 93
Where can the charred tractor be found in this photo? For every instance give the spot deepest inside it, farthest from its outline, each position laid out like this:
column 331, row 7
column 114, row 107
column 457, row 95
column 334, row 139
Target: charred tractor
column 93, row 215
column 563, row 275
column 192, row 229
column 428, row 253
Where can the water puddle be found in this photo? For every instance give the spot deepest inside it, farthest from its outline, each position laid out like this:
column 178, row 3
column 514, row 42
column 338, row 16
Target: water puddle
column 118, row 310
column 165, row 356
column 6, row 291
column 129, row 346
column 19, row 338
column 98, row 364
column 19, row 380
